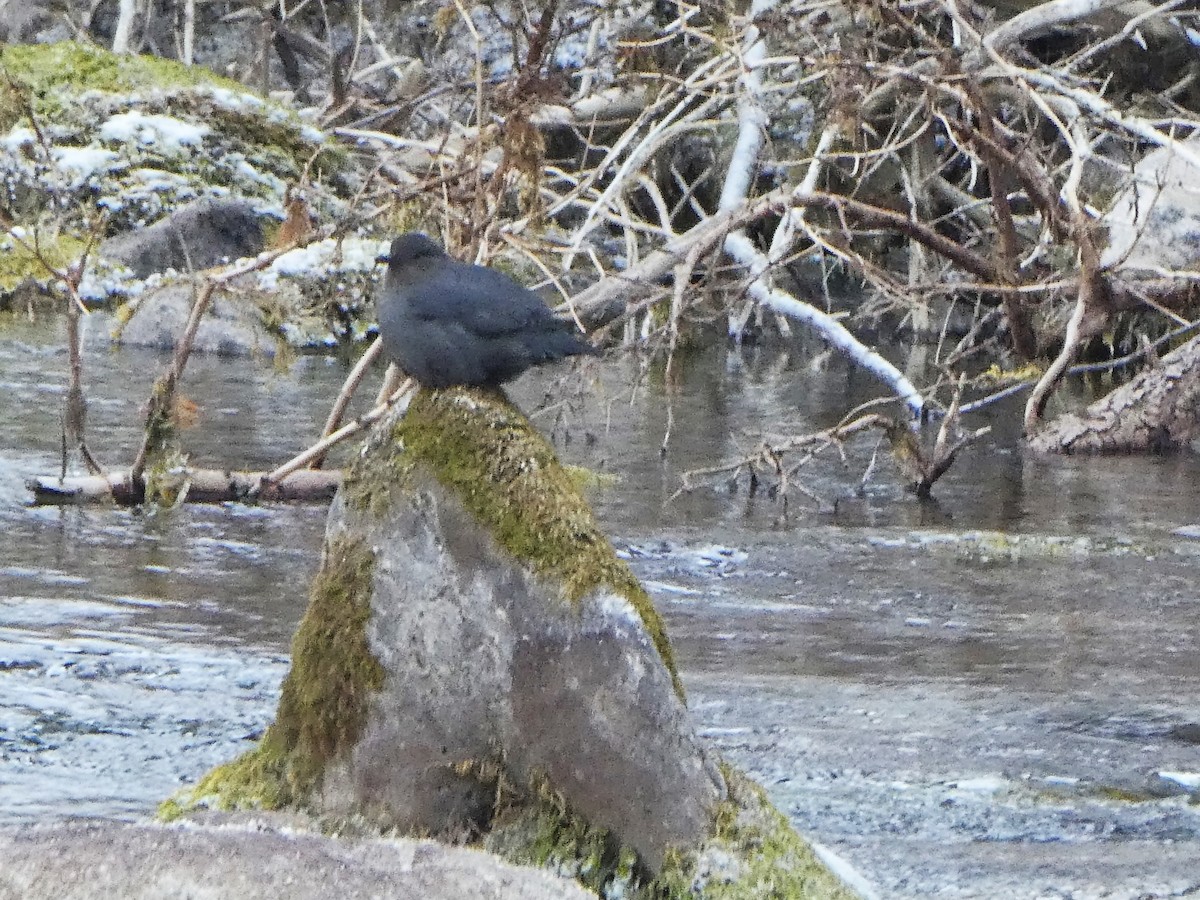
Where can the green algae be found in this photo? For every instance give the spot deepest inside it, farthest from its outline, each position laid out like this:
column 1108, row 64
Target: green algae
column 324, row 700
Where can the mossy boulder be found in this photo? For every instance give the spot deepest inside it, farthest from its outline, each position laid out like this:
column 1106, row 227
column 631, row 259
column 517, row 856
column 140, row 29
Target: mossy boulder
column 476, row 663
column 95, row 145
column 84, row 131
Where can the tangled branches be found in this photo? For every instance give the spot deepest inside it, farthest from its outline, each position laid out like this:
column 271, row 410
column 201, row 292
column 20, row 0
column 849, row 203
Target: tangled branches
column 666, row 167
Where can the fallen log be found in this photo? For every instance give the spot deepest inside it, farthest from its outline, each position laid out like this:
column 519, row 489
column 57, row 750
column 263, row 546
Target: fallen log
column 200, row 486
column 1156, row 411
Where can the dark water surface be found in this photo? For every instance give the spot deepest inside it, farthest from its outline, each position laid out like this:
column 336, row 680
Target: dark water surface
column 996, row 695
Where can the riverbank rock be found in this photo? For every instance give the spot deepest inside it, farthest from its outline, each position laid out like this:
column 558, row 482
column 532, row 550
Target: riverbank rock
column 311, row 298
column 1154, row 224
column 477, row 664
column 260, row 859
column 137, row 151
column 197, row 236
column 232, row 326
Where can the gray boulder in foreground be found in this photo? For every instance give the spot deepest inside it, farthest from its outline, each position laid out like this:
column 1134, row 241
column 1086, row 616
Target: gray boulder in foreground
column 477, row 664
column 252, row 861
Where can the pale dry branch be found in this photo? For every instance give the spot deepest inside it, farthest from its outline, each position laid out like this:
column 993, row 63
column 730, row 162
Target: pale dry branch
column 353, row 380
column 322, row 447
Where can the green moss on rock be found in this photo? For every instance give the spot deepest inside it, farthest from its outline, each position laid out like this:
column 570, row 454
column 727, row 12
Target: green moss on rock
column 55, row 73
column 253, row 147
column 545, row 834
column 324, row 700
column 476, row 444
column 752, row 853
column 25, row 263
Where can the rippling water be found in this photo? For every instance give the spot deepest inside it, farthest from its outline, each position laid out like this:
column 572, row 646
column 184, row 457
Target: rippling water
column 977, row 696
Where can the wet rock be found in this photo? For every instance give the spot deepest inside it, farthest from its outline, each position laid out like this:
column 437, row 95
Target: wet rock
column 253, row 861
column 231, row 326
column 513, row 646
column 476, row 661
column 197, row 236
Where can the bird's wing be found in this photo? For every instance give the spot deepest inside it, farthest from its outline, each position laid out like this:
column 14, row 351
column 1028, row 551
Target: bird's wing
column 485, row 301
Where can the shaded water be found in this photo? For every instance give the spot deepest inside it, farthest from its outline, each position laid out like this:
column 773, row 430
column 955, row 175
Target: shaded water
column 953, row 710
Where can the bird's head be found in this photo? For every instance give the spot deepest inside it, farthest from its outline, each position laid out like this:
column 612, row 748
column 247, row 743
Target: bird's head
column 409, row 247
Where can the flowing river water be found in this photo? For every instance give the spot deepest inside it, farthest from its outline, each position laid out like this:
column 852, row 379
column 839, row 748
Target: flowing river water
column 993, row 695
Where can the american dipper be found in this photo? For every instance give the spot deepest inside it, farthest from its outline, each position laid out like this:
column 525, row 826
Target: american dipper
column 446, row 322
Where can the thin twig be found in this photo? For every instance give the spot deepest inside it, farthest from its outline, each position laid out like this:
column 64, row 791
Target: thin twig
column 323, row 446
column 353, row 380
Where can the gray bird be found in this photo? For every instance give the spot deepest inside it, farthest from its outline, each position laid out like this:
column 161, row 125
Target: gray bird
column 446, row 322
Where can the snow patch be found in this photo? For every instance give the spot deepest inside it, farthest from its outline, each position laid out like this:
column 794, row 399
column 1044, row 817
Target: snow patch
column 83, row 162
column 148, row 129
column 19, row 137
column 236, row 101
column 1189, row 780
column 322, row 258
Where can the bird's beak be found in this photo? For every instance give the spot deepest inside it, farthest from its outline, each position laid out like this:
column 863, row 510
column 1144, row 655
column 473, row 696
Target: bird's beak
column 382, row 258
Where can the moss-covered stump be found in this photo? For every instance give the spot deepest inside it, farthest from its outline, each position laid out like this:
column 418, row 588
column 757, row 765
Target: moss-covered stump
column 477, row 664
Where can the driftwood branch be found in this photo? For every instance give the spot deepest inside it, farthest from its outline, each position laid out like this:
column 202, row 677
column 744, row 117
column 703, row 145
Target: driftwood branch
column 162, row 399
column 197, row 486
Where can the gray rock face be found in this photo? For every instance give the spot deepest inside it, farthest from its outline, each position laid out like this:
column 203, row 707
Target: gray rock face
column 254, row 861
column 229, row 328
column 19, row 19
column 1155, row 222
column 489, row 666
column 197, row 236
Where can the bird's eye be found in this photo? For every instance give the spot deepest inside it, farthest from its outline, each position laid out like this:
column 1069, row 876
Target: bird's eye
column 382, row 258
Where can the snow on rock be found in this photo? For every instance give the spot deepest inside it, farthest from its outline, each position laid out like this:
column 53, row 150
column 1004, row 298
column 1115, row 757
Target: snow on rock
column 167, row 131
